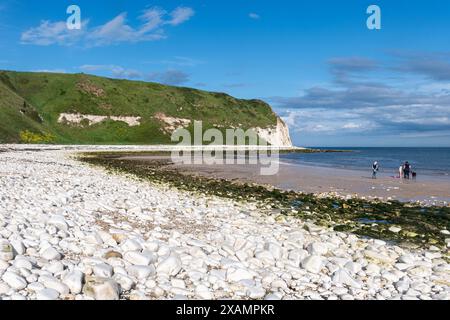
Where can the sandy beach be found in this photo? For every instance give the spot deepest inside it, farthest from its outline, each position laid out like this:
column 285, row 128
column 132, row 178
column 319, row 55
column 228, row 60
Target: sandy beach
column 317, row 180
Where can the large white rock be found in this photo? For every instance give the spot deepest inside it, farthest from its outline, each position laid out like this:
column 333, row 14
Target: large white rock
column 4, row 288
column 141, row 272
column 53, row 283
column 14, row 280
column 101, row 288
column 402, row 286
column 131, row 245
column 256, row 293
column 372, row 269
column 59, row 222
column 236, row 275
column 312, row 264
column 47, row 294
column 265, row 256
column 273, row 296
column 274, row 249
column 125, row 282
column 296, row 256
column 55, row 267
column 203, row 292
column 18, row 245
column 74, row 280
column 317, row 249
column 353, row 267
column 170, row 266
column 342, row 277
column 108, row 290
column 103, row 270
column 395, row 229
column 93, row 238
column 178, row 283
column 152, row 246
column 35, row 286
column 420, row 271
column 51, row 254
column 138, row 258
column 407, row 259
column 23, row 263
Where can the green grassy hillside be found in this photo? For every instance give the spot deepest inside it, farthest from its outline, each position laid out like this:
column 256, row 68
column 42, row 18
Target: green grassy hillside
column 33, row 102
column 16, row 116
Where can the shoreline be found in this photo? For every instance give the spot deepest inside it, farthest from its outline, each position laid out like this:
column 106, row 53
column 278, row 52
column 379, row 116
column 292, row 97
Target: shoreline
column 384, row 173
column 318, row 180
column 335, row 181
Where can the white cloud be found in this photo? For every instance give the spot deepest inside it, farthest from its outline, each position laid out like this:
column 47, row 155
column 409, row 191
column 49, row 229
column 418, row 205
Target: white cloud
column 48, row 33
column 114, row 31
column 117, row 31
column 327, row 121
column 180, row 15
column 153, row 18
column 389, row 119
column 254, row 16
column 436, row 87
column 352, row 125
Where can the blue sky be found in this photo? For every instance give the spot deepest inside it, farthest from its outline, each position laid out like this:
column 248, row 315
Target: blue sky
column 334, row 81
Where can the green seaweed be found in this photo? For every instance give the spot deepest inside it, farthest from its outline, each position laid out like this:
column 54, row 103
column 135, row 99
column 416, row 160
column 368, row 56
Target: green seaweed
column 420, row 225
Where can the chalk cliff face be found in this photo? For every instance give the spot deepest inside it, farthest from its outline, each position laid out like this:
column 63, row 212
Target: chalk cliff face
column 277, row 136
column 77, row 119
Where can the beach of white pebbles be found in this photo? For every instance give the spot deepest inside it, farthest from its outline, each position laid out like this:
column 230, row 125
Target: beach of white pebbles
column 74, row 232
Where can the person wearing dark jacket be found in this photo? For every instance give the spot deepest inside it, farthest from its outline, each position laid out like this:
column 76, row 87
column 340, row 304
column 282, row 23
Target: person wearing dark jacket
column 406, row 170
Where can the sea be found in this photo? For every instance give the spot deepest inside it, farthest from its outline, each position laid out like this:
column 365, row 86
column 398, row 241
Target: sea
column 432, row 162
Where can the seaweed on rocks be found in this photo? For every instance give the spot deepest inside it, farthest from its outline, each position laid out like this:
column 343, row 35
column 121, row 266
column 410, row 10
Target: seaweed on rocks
column 394, row 221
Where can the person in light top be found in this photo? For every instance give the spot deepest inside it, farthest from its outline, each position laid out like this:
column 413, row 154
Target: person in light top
column 375, row 168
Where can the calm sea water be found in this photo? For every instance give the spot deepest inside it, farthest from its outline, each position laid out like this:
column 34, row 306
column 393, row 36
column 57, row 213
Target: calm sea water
column 425, row 161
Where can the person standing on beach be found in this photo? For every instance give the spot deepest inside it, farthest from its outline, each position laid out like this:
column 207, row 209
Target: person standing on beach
column 406, row 170
column 400, row 171
column 375, row 168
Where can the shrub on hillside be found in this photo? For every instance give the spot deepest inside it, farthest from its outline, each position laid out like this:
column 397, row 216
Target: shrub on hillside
column 36, row 138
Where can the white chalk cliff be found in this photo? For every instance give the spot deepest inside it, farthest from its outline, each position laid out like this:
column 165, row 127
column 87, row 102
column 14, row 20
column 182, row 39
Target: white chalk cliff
column 78, row 118
column 277, row 136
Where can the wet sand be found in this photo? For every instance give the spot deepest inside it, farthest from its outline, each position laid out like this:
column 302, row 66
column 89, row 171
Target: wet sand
column 318, row 180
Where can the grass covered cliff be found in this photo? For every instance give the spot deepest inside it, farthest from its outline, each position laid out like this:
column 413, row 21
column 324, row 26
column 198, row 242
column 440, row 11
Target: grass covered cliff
column 33, row 105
